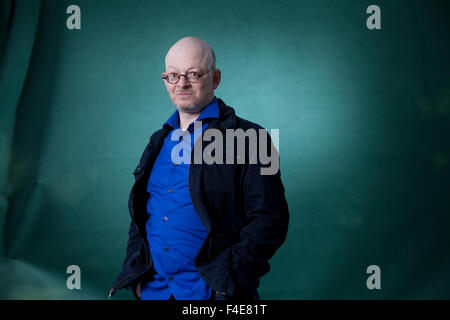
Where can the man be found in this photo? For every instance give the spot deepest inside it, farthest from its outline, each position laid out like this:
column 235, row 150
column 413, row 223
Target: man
column 201, row 230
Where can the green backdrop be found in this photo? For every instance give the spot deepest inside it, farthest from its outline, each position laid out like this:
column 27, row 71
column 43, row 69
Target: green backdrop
column 363, row 116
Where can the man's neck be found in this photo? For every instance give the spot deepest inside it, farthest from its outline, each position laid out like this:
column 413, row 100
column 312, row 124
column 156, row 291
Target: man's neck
column 187, row 118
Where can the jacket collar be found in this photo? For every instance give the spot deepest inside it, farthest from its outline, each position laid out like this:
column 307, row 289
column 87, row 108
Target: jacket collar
column 226, row 120
column 227, row 117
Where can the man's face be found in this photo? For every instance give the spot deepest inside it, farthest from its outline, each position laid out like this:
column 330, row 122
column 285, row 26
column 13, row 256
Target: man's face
column 186, row 96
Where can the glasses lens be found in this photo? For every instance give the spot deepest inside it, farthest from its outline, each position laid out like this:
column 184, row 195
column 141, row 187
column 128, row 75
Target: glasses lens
column 192, row 76
column 172, row 77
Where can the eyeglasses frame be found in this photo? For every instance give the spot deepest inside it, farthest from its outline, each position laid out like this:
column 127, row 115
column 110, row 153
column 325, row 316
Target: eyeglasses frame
column 184, row 75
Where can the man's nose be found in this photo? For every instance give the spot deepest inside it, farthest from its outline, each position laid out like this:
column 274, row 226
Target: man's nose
column 182, row 82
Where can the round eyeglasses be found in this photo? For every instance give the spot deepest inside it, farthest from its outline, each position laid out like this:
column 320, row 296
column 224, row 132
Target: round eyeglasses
column 192, row 76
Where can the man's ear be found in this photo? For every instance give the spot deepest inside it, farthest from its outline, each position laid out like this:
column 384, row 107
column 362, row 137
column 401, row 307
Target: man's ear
column 216, row 78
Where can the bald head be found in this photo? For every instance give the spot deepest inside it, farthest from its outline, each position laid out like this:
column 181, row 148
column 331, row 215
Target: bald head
column 192, row 49
column 188, row 56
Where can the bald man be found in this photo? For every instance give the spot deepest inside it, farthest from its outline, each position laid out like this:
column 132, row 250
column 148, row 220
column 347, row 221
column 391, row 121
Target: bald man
column 201, row 230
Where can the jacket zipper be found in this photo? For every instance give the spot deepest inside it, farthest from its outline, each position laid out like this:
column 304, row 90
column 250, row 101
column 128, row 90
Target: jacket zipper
column 111, row 292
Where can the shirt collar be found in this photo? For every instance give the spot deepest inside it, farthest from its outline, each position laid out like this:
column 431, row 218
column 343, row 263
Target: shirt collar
column 210, row 111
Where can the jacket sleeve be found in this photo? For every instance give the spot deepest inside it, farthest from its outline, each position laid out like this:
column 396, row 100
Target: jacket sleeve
column 267, row 221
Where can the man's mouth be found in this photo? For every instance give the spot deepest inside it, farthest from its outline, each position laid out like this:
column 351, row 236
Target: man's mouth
column 184, row 94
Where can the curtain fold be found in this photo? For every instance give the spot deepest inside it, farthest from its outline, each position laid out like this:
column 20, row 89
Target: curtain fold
column 18, row 22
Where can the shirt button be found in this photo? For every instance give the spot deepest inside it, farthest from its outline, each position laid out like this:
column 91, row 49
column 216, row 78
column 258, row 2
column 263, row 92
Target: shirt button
column 170, row 190
column 170, row 278
column 166, row 218
column 166, row 249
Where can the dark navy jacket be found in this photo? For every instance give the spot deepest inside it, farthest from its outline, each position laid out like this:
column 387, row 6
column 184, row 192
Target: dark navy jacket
column 245, row 213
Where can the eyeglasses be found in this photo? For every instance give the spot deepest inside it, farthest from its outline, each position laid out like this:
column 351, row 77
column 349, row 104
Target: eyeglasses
column 191, row 76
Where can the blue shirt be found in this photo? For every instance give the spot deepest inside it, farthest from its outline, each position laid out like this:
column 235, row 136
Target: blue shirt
column 175, row 231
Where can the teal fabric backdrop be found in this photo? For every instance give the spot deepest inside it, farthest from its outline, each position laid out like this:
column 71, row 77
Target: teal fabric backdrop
column 363, row 118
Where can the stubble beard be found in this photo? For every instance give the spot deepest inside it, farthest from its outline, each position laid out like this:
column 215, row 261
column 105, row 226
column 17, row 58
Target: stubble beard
column 191, row 108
